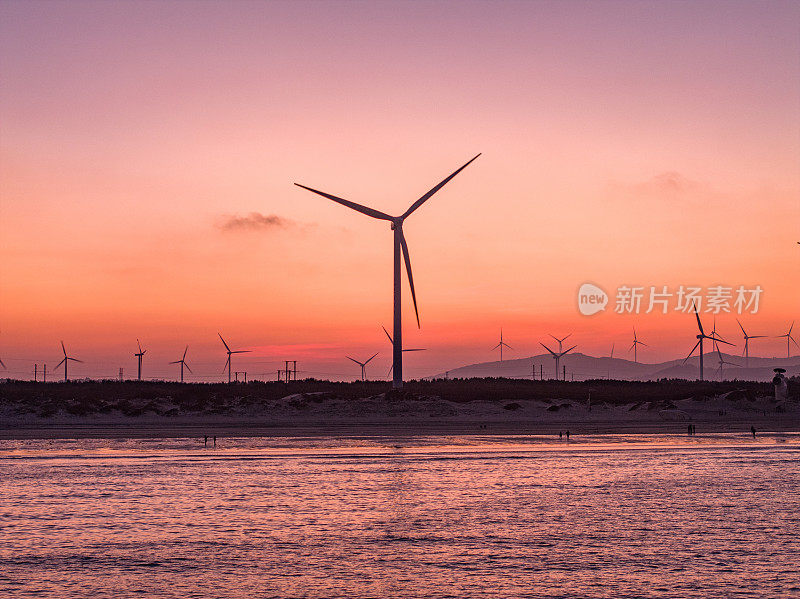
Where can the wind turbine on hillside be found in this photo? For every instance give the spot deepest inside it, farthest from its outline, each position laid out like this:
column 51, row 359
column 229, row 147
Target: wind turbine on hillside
column 702, row 335
column 183, row 363
column 405, row 350
column 400, row 245
column 560, row 341
column 559, row 354
column 139, row 355
column 230, row 353
column 636, row 342
column 789, row 337
column 747, row 338
column 501, row 345
column 66, row 361
column 363, row 365
column 721, row 361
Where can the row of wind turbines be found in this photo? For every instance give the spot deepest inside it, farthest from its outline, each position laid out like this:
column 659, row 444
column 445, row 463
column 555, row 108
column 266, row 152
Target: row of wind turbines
column 701, row 336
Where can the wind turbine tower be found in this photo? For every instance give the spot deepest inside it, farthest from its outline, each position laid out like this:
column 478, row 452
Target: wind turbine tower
column 400, row 246
column 789, row 337
column 139, row 355
column 501, row 345
column 183, row 363
column 363, row 365
column 230, row 353
column 66, row 361
column 702, row 335
column 636, row 343
column 747, row 339
column 559, row 354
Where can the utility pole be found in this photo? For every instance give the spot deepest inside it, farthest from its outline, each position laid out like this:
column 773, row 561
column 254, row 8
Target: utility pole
column 541, row 372
column 35, row 372
column 564, row 372
column 120, row 371
column 243, row 373
column 44, row 374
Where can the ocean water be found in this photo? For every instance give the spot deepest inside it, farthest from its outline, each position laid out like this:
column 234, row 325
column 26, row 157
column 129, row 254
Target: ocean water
column 463, row 516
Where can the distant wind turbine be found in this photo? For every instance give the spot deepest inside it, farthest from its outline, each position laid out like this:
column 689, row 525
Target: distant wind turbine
column 501, row 345
column 230, row 353
column 400, row 245
column 747, row 338
column 560, row 341
column 66, row 361
column 789, row 337
column 636, row 343
column 559, row 354
column 721, row 361
column 700, row 338
column 139, row 355
column 183, row 363
column 363, row 365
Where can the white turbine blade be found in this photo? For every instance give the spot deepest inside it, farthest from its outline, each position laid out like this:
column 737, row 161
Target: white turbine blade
column 642, row 343
column 718, row 340
column 756, row 336
column 64, row 349
column 630, row 349
column 387, row 334
column 354, row 360
column 424, row 198
column 407, row 259
column 140, row 346
column 495, row 347
column 390, row 370
column 568, row 350
column 554, row 337
column 242, row 351
column 548, row 349
column 507, row 345
column 416, row 349
column 2, row 364
column 61, row 362
column 75, row 360
column 184, row 352
column 223, row 342
column 176, row 362
column 790, row 328
column 226, row 363
column 187, row 367
column 370, row 360
column 691, row 352
column 357, row 207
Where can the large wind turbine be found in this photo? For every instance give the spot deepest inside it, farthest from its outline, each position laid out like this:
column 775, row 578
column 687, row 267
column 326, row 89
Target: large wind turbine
column 230, row 353
column 139, row 355
column 789, row 337
column 66, row 361
column 183, row 363
column 405, row 350
column 559, row 354
column 747, row 338
column 501, row 345
column 363, row 365
column 399, row 246
column 636, row 342
column 700, row 338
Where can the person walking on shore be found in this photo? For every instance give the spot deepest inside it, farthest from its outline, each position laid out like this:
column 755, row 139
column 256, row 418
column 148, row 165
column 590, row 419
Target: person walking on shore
column 753, row 430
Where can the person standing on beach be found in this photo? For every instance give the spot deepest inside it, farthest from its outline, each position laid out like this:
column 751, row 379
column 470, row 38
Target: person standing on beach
column 215, row 440
column 560, row 434
column 753, row 430
column 567, row 435
column 205, row 441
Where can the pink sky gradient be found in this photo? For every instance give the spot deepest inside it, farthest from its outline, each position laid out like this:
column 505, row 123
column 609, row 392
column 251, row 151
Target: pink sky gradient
column 646, row 143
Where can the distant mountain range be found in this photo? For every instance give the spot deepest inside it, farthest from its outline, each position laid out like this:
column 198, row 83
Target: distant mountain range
column 580, row 367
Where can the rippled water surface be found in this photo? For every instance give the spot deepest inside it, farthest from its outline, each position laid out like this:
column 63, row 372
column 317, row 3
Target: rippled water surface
column 466, row 516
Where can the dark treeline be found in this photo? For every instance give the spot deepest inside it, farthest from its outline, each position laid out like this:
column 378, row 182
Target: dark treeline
column 132, row 397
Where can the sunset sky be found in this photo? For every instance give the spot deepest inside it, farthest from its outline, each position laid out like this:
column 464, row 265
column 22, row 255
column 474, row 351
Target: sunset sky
column 148, row 153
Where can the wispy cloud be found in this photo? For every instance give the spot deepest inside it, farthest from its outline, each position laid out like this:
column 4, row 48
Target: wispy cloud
column 255, row 221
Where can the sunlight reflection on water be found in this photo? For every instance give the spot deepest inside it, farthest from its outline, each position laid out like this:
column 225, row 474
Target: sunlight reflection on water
column 439, row 516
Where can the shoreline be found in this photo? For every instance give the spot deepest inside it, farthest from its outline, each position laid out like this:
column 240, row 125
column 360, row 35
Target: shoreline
column 149, row 430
